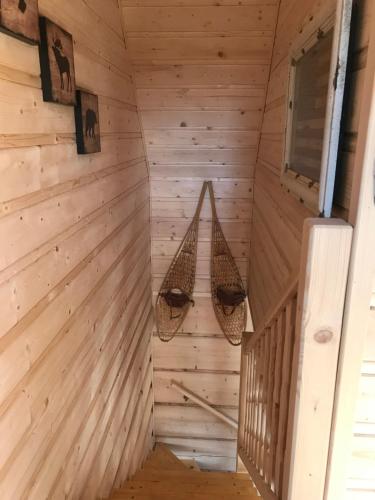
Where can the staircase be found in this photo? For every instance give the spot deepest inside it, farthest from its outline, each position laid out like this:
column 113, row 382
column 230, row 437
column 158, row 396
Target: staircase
column 165, row 477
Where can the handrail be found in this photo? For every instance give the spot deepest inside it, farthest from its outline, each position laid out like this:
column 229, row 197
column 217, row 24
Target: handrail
column 203, row 404
column 266, row 365
column 249, row 340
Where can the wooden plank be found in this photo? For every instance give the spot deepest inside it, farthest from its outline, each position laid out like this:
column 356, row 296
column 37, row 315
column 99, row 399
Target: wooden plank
column 45, row 215
column 203, row 404
column 196, row 447
column 75, row 268
column 216, row 388
column 286, row 379
column 200, row 76
column 53, row 272
column 176, row 229
column 206, row 486
column 216, row 49
column 360, row 286
column 321, row 295
column 269, row 410
column 201, row 138
column 169, row 248
column 206, row 353
column 276, row 394
column 206, row 98
column 161, row 3
column 187, row 188
column 211, row 120
column 168, row 156
column 228, row 209
column 69, row 344
column 196, row 18
column 201, row 122
column 186, row 421
column 203, row 171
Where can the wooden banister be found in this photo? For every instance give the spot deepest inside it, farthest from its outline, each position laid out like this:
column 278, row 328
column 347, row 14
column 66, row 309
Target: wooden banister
column 288, row 371
column 265, row 380
column 249, row 339
column 203, row 404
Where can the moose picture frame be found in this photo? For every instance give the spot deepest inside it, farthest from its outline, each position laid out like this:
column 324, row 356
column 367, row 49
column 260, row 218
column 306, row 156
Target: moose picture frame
column 87, row 123
column 20, row 19
column 56, row 63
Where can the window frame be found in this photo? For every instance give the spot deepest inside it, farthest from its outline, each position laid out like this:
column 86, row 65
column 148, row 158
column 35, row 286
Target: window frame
column 318, row 196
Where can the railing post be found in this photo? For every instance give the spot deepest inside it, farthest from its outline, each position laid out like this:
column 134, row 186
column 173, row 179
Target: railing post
column 321, row 294
column 243, row 388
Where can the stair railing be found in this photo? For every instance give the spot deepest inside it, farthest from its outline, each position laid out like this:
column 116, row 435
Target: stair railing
column 288, row 371
column 265, row 384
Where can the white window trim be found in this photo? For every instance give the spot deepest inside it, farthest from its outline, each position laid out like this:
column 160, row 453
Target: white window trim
column 318, row 196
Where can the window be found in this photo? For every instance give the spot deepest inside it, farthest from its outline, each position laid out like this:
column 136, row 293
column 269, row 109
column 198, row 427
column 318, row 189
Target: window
column 316, row 87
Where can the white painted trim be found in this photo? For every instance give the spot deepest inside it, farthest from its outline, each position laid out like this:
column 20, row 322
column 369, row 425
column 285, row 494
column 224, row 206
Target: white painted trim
column 319, row 196
column 334, row 106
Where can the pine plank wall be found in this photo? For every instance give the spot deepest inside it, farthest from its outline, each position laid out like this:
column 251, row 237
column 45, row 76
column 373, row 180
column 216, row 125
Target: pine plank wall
column 75, row 367
column 278, row 216
column 75, row 270
column 201, row 71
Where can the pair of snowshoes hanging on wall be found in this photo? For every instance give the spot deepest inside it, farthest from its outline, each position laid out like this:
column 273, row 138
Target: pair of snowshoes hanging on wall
column 228, row 294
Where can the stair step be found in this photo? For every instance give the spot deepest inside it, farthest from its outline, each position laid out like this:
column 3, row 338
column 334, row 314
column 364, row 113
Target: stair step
column 193, row 486
column 165, row 477
column 190, row 464
column 162, row 458
column 182, row 496
column 193, row 476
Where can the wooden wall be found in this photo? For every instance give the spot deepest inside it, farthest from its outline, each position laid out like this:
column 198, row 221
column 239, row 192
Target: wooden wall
column 75, row 325
column 277, row 215
column 201, row 70
column 360, row 480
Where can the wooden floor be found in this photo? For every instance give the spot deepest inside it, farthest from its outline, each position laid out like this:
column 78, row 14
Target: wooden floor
column 164, row 476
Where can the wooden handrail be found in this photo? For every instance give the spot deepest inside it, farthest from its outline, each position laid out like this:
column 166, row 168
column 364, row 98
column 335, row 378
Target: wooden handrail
column 249, row 340
column 264, row 395
column 203, row 404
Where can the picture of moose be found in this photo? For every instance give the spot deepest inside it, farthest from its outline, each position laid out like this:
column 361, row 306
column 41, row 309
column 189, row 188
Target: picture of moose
column 87, row 123
column 56, row 63
column 91, row 121
column 63, row 64
column 22, row 5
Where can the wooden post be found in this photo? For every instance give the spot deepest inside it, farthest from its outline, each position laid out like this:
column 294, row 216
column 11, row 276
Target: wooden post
column 360, row 282
column 322, row 286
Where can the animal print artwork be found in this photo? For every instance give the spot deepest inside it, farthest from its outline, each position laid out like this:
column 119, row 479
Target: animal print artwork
column 57, row 63
column 19, row 18
column 63, row 65
column 22, row 6
column 87, row 123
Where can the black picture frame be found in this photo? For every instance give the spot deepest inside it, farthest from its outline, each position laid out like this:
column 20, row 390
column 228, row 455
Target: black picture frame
column 56, row 63
column 86, row 114
column 19, row 19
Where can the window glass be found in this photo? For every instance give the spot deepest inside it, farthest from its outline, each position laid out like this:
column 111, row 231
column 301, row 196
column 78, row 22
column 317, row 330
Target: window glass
column 309, row 102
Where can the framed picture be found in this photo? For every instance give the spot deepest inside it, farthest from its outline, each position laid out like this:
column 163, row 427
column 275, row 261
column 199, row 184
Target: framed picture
column 56, row 63
column 87, row 123
column 19, row 18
